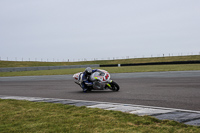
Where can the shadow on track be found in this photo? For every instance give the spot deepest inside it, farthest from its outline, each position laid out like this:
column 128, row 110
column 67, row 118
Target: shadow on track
column 94, row 91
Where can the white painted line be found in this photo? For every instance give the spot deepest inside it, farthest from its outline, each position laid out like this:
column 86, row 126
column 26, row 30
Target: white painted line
column 150, row 111
column 102, row 106
column 125, row 108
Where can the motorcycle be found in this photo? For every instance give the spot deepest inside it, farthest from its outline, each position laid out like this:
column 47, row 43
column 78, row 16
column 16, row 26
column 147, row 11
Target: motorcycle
column 100, row 79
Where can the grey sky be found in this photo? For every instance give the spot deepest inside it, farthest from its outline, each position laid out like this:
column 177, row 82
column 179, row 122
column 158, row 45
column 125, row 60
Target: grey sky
column 77, row 29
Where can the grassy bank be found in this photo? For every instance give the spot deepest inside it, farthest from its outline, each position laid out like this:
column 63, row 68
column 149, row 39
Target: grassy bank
column 24, row 116
column 149, row 68
column 103, row 62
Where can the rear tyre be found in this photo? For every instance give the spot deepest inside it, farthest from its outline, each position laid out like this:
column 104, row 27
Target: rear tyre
column 115, row 86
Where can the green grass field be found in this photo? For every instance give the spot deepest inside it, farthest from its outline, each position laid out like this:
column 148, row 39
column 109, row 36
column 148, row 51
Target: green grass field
column 148, row 68
column 103, row 62
column 128, row 69
column 24, row 116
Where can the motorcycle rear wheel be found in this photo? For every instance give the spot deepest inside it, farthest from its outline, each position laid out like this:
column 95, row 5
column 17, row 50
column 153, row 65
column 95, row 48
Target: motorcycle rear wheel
column 115, row 86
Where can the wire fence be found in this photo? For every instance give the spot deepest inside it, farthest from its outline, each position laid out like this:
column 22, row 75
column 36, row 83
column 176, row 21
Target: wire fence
column 93, row 59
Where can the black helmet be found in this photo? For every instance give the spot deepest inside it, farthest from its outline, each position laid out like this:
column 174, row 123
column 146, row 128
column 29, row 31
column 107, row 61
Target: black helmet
column 88, row 70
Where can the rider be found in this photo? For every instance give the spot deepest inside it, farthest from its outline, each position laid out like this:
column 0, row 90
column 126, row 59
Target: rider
column 85, row 78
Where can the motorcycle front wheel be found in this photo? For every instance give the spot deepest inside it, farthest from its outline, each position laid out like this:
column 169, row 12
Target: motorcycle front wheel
column 114, row 86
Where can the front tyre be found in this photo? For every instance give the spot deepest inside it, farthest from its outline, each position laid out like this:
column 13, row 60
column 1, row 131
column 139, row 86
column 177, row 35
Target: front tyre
column 114, row 86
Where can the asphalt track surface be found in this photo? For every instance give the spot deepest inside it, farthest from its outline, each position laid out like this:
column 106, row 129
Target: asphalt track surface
column 178, row 89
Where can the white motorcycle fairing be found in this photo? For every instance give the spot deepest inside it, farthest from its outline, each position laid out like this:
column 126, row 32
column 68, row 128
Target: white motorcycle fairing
column 100, row 79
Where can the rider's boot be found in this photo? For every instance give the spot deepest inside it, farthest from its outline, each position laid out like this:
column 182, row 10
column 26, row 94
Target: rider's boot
column 85, row 90
column 83, row 87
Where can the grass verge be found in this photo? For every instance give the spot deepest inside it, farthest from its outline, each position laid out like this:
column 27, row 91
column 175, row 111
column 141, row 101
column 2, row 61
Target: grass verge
column 101, row 62
column 25, row 116
column 128, row 69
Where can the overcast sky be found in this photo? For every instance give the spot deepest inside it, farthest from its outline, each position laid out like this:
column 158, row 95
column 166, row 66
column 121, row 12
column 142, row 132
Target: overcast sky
column 78, row 29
